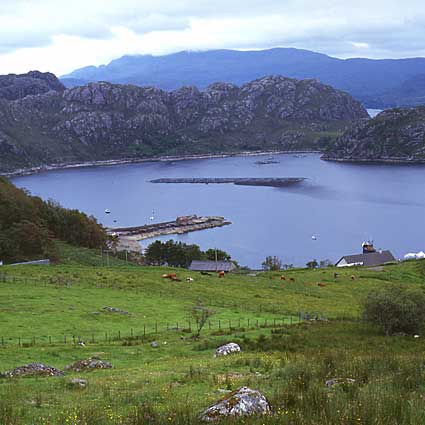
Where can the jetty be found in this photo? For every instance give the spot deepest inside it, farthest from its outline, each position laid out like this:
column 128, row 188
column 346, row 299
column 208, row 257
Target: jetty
column 181, row 225
column 242, row 181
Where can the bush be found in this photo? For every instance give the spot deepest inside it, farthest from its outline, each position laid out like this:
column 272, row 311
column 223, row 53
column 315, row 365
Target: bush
column 396, row 309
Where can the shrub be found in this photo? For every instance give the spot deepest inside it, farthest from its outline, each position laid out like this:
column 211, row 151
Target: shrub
column 396, row 309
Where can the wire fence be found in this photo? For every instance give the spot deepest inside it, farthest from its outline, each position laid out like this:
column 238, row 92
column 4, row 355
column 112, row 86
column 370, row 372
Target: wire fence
column 148, row 331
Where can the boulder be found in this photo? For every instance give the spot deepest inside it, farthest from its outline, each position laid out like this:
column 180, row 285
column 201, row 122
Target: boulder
column 89, row 364
column 154, row 344
column 77, row 383
column 226, row 349
column 32, row 369
column 339, row 381
column 242, row 402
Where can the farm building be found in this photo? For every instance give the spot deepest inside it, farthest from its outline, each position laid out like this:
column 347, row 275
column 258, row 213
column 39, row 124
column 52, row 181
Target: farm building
column 212, row 266
column 370, row 259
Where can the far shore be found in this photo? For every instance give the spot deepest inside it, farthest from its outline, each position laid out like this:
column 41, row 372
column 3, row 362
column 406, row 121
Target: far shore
column 382, row 161
column 111, row 162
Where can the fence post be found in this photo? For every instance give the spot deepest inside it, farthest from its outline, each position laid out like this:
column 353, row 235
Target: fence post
column 64, row 339
column 156, row 327
column 177, row 325
column 144, row 330
column 190, row 327
column 239, row 323
column 50, row 340
column 131, row 332
column 19, row 341
column 248, row 323
column 119, row 335
column 219, row 324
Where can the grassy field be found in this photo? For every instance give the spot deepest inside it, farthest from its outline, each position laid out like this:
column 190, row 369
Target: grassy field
column 173, row 383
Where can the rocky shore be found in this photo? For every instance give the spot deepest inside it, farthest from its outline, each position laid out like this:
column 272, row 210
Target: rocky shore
column 167, row 158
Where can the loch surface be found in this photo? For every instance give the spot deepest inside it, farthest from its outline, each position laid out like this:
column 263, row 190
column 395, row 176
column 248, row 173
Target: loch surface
column 340, row 204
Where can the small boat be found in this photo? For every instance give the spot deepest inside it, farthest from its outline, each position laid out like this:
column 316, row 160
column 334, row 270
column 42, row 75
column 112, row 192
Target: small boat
column 107, row 211
column 314, row 238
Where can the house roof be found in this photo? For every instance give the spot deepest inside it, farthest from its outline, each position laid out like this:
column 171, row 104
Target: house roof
column 370, row 259
column 212, row 266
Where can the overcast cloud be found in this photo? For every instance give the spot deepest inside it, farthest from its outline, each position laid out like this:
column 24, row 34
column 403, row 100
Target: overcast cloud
column 60, row 36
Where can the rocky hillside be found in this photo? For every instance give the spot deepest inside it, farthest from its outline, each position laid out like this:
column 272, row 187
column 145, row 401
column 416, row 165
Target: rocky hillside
column 104, row 121
column 394, row 135
column 14, row 87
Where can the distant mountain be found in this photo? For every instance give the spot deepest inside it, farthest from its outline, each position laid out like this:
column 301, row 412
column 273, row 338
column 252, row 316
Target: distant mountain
column 395, row 135
column 14, row 86
column 103, row 121
column 365, row 79
column 410, row 93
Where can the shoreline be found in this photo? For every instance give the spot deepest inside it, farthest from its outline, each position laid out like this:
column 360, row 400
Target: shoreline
column 383, row 161
column 111, row 162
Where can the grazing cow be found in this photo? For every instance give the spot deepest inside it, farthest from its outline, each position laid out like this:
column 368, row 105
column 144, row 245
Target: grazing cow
column 282, row 277
column 336, row 275
column 189, row 279
column 353, row 277
column 221, row 274
column 322, row 285
column 292, row 279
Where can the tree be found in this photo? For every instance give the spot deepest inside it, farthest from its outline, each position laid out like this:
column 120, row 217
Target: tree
column 210, row 254
column 325, row 263
column 313, row 264
column 396, row 309
column 272, row 263
column 200, row 314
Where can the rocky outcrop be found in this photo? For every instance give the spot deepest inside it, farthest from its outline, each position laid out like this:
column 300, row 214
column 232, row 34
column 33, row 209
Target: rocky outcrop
column 396, row 135
column 103, row 121
column 89, row 364
column 242, row 402
column 14, row 87
column 32, row 369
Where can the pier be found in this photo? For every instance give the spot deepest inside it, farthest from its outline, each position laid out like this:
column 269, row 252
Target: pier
column 181, row 225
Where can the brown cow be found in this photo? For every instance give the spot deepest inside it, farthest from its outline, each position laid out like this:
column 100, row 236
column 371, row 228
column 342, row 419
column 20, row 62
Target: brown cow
column 353, row 277
column 322, row 285
column 221, row 274
column 282, row 277
column 292, row 279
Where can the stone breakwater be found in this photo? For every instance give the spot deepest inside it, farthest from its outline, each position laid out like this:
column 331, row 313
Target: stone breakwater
column 264, row 181
column 179, row 226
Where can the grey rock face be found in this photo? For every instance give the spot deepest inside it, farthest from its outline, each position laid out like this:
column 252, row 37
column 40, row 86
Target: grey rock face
column 108, row 121
column 227, row 349
column 394, row 135
column 242, row 402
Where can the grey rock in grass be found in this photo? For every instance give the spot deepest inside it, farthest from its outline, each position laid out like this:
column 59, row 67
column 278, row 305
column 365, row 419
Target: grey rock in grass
column 339, row 381
column 32, row 369
column 242, row 402
column 89, row 364
column 227, row 349
column 114, row 310
column 154, row 344
column 77, row 383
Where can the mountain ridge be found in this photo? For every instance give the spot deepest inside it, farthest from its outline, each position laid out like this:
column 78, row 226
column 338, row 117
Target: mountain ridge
column 364, row 79
column 105, row 121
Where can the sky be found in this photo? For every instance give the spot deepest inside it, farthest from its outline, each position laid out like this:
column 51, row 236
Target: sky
column 60, row 36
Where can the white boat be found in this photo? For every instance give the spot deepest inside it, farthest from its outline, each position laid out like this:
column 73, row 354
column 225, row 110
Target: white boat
column 107, row 211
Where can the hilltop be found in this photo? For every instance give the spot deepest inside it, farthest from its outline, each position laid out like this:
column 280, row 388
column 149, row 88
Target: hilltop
column 104, row 121
column 395, row 135
column 369, row 81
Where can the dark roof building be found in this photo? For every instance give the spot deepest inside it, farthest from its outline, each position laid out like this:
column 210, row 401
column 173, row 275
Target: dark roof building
column 371, row 259
column 212, row 266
